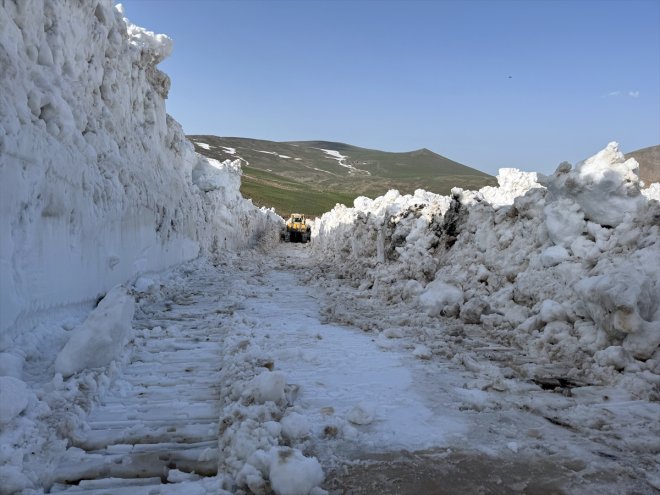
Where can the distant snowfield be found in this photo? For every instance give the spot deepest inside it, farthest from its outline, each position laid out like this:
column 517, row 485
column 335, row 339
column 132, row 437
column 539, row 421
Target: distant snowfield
column 341, row 160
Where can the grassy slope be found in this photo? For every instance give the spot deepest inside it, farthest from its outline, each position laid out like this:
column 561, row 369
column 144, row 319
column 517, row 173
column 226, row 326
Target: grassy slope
column 298, row 176
column 649, row 163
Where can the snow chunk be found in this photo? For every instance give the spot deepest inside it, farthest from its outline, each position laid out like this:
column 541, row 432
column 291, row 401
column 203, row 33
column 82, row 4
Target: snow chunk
column 101, row 337
column 564, row 220
column 438, row 295
column 269, row 386
column 512, row 183
column 422, row 352
column 362, row 414
column 553, row 255
column 652, row 192
column 14, row 393
column 606, row 186
column 552, row 311
column 295, row 426
column 291, row 473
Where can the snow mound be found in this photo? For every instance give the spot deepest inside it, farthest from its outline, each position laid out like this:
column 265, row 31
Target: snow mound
column 562, row 267
column 101, row 338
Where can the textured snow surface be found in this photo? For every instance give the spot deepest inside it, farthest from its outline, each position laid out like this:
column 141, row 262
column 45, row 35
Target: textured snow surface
column 97, row 182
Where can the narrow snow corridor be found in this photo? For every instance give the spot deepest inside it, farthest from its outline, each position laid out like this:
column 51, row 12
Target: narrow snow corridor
column 239, row 381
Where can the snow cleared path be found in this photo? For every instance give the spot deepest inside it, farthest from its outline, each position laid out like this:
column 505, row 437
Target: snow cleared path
column 244, row 351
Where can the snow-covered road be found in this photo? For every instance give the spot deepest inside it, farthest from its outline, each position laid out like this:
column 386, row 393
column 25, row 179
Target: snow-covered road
column 246, row 350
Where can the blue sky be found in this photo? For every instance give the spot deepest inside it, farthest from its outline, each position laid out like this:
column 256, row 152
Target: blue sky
column 490, row 84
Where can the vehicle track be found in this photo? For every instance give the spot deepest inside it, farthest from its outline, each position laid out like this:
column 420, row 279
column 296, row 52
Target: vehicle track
column 156, row 428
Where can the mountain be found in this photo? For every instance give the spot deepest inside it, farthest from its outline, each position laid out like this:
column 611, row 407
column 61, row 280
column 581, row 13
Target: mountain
column 312, row 176
column 649, row 163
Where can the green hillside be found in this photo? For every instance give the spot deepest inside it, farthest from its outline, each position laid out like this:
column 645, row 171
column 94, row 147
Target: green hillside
column 301, row 176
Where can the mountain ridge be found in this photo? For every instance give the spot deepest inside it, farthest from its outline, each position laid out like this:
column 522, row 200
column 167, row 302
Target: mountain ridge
column 312, row 176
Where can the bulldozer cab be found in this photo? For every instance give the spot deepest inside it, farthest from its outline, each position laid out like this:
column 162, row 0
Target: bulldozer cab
column 296, row 229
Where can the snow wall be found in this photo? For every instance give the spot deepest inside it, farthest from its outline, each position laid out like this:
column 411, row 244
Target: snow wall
column 565, row 267
column 97, row 182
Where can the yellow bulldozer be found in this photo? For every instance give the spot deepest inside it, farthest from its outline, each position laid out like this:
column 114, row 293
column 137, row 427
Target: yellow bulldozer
column 296, row 229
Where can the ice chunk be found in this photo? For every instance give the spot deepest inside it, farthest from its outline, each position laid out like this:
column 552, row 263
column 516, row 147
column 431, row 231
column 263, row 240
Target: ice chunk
column 14, row 398
column 101, row 337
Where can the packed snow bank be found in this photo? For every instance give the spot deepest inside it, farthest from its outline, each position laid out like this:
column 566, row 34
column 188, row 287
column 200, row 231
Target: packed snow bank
column 564, row 267
column 97, row 182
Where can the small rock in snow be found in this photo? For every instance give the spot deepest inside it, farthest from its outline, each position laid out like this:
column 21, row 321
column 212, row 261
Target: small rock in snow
column 552, row 311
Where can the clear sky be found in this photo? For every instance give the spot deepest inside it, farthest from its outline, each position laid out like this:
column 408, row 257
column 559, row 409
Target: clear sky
column 490, row 84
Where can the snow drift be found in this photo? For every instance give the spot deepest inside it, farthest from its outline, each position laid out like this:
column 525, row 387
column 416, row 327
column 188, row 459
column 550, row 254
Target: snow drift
column 564, row 267
column 97, row 182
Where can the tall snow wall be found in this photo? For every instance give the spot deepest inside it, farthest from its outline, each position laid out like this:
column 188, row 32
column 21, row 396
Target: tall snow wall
column 565, row 267
column 97, row 182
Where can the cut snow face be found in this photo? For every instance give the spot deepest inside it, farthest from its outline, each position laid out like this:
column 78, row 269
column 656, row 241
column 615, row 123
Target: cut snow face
column 97, row 182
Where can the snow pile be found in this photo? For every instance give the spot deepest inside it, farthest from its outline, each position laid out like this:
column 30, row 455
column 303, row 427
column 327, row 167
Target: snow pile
column 564, row 267
column 97, row 182
column 257, row 423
